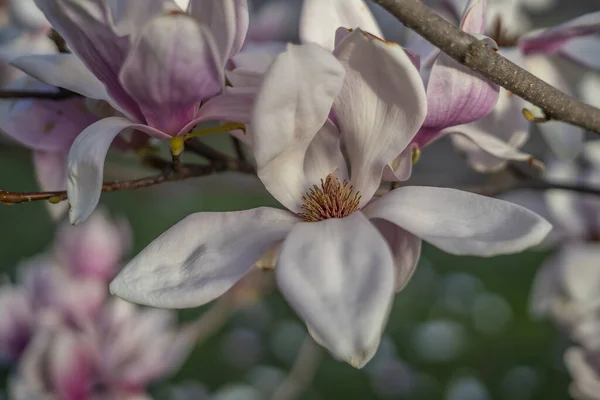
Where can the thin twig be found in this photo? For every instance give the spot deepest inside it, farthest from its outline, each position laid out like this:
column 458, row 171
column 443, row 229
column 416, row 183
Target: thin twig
column 474, row 54
column 62, row 94
column 239, row 148
column 302, row 372
column 169, row 175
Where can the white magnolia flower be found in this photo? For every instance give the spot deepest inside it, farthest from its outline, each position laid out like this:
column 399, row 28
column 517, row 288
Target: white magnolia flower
column 344, row 253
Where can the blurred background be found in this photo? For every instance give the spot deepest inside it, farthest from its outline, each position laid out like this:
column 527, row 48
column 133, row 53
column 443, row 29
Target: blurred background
column 461, row 330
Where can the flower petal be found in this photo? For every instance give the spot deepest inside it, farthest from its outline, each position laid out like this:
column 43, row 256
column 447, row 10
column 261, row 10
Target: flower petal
column 406, row 249
column 292, row 105
column 586, row 379
column 484, row 152
column 584, row 50
column 320, row 20
column 565, row 140
column 460, row 222
column 171, row 69
column 233, row 105
column 338, row 275
column 400, row 168
column 63, row 70
column 228, row 20
column 474, row 17
column 51, row 174
column 380, row 108
column 86, row 164
column 87, row 29
column 71, row 365
column 554, row 39
column 456, row 95
column 201, row 257
column 41, row 124
column 324, row 155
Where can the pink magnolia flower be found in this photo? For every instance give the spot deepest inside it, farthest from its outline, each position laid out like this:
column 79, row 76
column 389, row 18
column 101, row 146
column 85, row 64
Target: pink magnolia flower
column 94, row 249
column 17, row 322
column 577, row 40
column 584, row 366
column 344, row 252
column 150, row 61
column 114, row 356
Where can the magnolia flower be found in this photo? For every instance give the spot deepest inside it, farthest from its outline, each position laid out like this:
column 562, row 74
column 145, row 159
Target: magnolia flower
column 577, row 40
column 151, row 62
column 584, row 367
column 566, row 287
column 16, row 325
column 115, row 356
column 343, row 252
column 94, row 249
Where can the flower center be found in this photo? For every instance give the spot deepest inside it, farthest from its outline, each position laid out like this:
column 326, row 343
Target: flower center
column 331, row 199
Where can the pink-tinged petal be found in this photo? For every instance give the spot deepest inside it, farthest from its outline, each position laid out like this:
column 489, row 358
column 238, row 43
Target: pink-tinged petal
column 474, row 17
column 129, row 17
column 320, row 20
column 258, row 58
column 484, row 152
column 45, row 125
column 583, row 367
column 51, row 174
column 228, row 20
column 201, row 257
column 496, row 138
column 86, row 164
column 71, row 365
column 554, row 39
column 172, row 68
column 324, row 155
column 338, row 275
column 233, row 105
column 461, row 222
column 62, row 70
column 456, row 95
column 406, row 249
column 565, row 140
column 400, row 168
column 292, row 105
column 87, row 29
column 380, row 108
column 274, row 21
column 584, row 50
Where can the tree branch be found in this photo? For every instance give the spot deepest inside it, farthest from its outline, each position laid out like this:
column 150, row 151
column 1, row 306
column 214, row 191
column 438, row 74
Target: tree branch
column 169, row 175
column 475, row 55
column 62, row 94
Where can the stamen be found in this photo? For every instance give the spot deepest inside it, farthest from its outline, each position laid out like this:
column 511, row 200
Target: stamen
column 331, row 199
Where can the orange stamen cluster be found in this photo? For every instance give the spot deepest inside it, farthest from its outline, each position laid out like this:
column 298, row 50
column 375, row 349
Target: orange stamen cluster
column 331, row 199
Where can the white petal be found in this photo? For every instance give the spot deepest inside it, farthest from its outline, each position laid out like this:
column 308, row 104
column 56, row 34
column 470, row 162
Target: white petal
column 291, row 107
column 380, row 108
column 65, row 71
column 565, row 140
column 86, row 164
column 406, row 249
column 586, row 379
column 201, row 257
column 460, row 222
column 324, row 155
column 320, row 20
column 51, row 174
column 338, row 275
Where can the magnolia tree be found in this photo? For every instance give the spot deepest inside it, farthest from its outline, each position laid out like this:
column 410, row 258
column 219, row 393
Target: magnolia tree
column 331, row 126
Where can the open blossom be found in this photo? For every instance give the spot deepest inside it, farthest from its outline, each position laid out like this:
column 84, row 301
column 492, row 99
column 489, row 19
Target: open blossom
column 344, row 252
column 577, row 40
column 94, row 249
column 114, row 356
column 158, row 66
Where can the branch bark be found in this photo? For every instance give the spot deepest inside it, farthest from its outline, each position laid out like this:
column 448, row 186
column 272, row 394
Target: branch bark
column 475, row 55
column 169, row 174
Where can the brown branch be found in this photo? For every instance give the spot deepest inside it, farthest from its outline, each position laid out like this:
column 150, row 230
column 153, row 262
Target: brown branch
column 62, row 94
column 239, row 148
column 519, row 178
column 475, row 55
column 169, row 175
